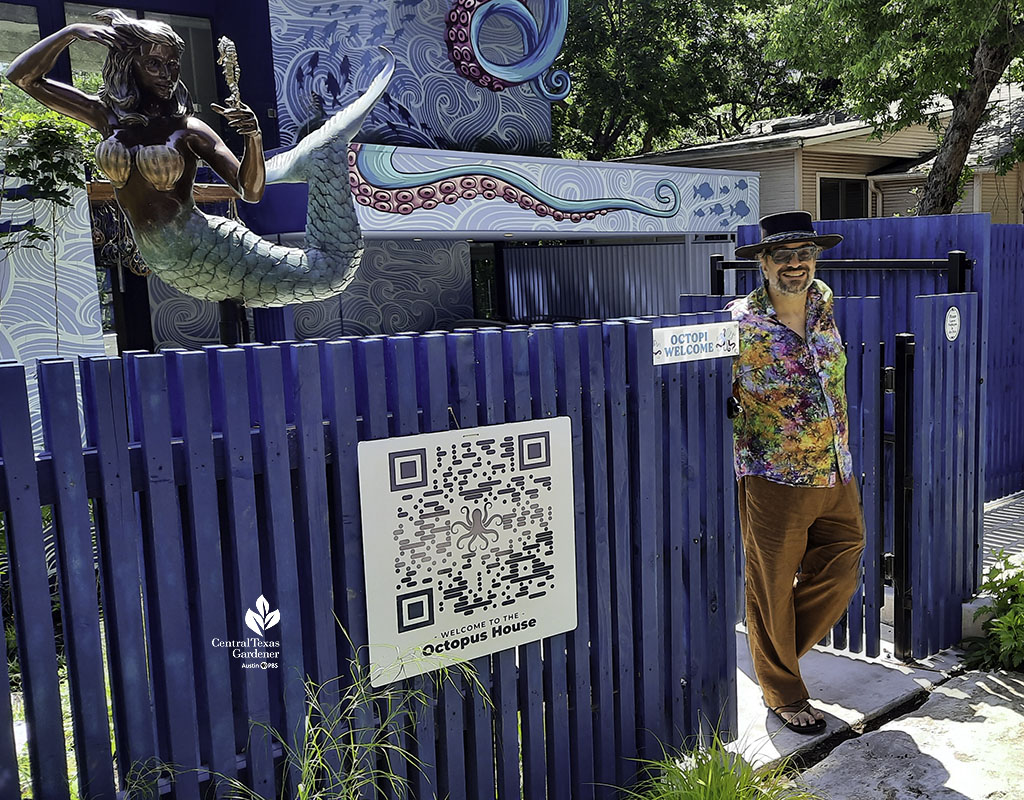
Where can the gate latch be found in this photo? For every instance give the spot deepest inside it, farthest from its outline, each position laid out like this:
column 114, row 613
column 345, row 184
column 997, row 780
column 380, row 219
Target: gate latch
column 889, row 379
column 888, row 566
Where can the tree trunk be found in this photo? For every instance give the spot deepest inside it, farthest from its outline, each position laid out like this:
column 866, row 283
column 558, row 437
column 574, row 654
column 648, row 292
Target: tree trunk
column 941, row 189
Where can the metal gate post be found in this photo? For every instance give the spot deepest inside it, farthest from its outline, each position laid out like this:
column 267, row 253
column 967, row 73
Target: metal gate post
column 903, row 495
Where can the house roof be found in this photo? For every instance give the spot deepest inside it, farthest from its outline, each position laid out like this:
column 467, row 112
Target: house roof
column 776, row 134
column 991, row 141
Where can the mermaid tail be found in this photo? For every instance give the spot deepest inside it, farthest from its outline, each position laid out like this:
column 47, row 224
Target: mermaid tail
column 215, row 259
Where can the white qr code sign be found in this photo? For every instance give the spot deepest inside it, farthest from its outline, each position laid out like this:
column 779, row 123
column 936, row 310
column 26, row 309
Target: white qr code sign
column 468, row 543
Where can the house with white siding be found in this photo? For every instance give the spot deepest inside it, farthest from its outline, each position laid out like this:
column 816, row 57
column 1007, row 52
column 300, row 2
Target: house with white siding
column 833, row 165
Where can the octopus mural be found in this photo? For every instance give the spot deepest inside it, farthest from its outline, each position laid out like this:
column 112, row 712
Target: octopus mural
column 463, row 27
column 378, row 184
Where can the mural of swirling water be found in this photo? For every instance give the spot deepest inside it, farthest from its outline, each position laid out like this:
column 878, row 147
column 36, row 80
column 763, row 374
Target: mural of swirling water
column 431, row 289
column 326, row 52
column 49, row 305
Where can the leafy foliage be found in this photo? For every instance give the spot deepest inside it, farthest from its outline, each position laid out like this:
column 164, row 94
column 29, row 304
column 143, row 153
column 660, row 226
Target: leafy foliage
column 654, row 74
column 46, row 151
column 895, row 58
column 1002, row 646
column 714, row 773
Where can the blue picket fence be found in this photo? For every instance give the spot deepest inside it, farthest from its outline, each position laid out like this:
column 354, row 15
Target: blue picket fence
column 209, row 478
column 1004, row 471
column 947, row 498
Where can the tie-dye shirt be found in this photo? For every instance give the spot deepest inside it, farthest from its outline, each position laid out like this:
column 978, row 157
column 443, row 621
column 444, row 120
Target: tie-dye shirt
column 793, row 428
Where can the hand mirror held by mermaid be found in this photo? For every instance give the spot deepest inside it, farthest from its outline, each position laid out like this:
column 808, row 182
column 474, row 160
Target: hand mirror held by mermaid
column 152, row 144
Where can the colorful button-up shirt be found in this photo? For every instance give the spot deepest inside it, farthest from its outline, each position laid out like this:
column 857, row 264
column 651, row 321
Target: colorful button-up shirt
column 793, row 428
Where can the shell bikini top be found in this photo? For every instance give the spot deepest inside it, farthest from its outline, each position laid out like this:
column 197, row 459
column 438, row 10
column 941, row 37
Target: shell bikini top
column 159, row 164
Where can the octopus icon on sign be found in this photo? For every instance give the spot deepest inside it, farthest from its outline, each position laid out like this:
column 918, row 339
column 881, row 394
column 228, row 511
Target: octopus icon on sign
column 478, row 533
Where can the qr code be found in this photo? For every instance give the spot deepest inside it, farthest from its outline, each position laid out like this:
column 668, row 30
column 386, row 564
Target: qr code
column 474, row 526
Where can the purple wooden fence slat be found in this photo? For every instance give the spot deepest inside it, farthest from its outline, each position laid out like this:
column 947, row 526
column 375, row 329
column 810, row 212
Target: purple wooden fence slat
column 556, row 682
column 192, row 418
column 644, row 517
column 58, row 404
column 516, row 353
column 430, row 366
column 621, row 549
column 167, row 594
column 106, row 425
column 30, row 589
column 676, row 601
column 302, row 376
column 278, row 560
column 464, row 385
column 581, row 720
column 490, row 393
column 230, row 404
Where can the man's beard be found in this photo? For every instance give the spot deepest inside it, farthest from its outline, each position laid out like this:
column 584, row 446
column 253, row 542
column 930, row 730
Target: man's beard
column 784, row 286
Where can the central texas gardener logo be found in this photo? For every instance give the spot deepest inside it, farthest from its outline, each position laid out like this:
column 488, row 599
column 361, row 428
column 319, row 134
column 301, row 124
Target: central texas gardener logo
column 262, row 618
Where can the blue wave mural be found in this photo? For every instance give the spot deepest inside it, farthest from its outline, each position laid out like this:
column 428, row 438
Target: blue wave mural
column 463, row 33
column 326, row 53
column 49, row 305
column 399, row 286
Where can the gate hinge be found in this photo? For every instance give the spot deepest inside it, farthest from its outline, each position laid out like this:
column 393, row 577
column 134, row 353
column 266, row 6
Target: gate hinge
column 889, row 379
column 888, row 566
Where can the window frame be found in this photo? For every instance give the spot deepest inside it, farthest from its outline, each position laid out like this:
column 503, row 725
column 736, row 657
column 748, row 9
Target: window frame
column 848, row 176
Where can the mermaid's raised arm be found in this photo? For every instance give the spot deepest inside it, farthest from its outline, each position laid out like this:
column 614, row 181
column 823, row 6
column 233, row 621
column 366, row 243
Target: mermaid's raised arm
column 28, row 73
column 247, row 177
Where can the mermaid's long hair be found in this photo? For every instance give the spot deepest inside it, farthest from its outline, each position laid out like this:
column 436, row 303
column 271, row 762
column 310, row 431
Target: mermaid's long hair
column 120, row 91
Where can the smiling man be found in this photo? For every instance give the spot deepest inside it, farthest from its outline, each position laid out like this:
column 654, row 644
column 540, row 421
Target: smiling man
column 800, row 512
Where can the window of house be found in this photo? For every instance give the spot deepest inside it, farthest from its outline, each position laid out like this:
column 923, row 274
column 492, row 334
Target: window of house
column 198, row 64
column 87, row 57
column 842, row 198
column 19, row 30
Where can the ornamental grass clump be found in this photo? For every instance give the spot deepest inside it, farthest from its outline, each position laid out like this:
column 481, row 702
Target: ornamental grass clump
column 1002, row 645
column 712, row 772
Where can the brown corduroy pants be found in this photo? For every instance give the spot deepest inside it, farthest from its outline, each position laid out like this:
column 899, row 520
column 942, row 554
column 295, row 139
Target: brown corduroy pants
column 816, row 531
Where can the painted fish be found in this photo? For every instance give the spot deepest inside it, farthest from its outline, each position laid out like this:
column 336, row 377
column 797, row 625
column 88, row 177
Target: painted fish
column 741, row 209
column 704, row 191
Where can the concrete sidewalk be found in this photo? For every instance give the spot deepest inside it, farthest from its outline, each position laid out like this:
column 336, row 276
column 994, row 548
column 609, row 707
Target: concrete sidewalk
column 941, row 737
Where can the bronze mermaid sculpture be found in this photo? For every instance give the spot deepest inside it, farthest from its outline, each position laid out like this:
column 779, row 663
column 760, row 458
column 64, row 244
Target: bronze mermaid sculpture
column 152, row 145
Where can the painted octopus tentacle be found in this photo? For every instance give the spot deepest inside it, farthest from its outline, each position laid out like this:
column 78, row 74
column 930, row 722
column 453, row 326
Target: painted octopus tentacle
column 541, row 46
column 377, row 183
column 214, row 258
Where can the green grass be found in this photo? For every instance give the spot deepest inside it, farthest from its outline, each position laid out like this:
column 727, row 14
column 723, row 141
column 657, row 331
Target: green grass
column 712, row 772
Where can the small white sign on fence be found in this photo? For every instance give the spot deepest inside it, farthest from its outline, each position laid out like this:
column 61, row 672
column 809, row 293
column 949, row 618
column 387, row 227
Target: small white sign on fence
column 952, row 323
column 468, row 543
column 696, row 342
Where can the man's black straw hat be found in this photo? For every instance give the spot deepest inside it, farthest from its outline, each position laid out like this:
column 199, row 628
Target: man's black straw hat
column 789, row 226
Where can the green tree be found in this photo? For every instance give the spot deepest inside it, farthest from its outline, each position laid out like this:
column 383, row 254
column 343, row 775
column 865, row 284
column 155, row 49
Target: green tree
column 896, row 57
column 751, row 80
column 638, row 75
column 657, row 74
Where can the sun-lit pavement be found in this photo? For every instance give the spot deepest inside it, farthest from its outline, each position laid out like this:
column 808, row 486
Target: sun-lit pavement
column 933, row 733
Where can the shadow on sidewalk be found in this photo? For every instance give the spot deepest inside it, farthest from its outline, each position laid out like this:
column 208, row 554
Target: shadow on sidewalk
column 882, row 765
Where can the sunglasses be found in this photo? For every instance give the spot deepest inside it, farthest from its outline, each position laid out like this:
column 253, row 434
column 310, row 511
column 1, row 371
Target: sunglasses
column 781, row 257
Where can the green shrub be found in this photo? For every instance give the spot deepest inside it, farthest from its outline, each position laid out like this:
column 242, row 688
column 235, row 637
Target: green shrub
column 1002, row 646
column 712, row 772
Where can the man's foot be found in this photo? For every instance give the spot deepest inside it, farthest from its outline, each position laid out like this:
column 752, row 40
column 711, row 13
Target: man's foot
column 801, row 717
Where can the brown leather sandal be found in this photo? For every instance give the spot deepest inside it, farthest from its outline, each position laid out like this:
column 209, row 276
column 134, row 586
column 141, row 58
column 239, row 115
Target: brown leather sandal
column 795, row 708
